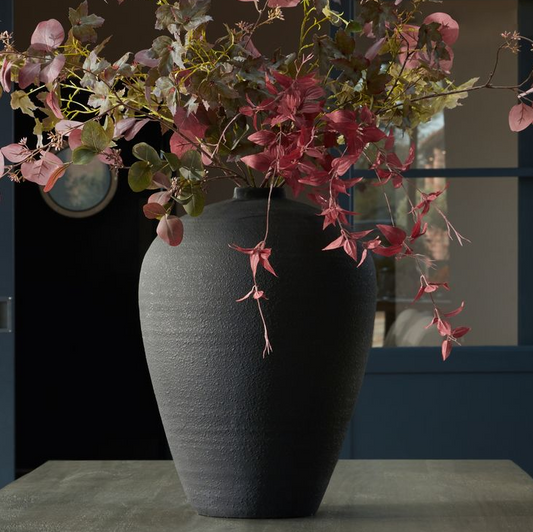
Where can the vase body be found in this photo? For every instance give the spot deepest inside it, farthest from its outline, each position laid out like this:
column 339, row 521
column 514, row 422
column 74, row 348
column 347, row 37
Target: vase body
column 255, row 437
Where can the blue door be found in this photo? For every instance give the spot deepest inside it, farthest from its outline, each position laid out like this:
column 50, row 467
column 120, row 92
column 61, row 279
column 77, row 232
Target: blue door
column 7, row 343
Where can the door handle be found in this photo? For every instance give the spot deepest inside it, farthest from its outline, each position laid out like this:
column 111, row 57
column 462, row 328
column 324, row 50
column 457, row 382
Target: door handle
column 6, row 314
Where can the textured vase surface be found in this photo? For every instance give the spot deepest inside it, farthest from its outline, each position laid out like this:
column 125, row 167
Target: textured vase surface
column 255, row 437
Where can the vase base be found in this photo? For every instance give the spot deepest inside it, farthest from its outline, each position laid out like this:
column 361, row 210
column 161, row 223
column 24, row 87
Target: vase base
column 255, row 514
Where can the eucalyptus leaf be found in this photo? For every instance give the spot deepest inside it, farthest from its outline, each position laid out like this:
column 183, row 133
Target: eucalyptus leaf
column 192, row 167
column 140, row 176
column 195, row 206
column 83, row 155
column 94, row 136
column 172, row 160
column 147, row 153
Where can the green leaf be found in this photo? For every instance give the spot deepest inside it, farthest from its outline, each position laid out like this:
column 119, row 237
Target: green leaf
column 345, row 43
column 83, row 24
column 191, row 165
column 172, row 160
column 94, row 136
column 147, row 153
column 195, row 206
column 83, row 155
column 162, row 47
column 20, row 100
column 354, row 27
column 453, row 100
column 140, row 176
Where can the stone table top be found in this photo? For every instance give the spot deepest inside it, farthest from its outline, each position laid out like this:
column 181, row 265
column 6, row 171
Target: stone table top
column 363, row 496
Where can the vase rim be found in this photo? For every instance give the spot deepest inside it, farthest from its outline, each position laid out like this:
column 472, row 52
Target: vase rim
column 247, row 193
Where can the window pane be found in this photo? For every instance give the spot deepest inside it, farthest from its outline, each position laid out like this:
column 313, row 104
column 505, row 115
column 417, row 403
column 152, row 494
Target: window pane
column 483, row 273
column 477, row 133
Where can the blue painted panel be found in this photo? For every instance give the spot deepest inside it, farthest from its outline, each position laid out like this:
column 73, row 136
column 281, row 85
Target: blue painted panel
column 7, row 346
column 445, row 416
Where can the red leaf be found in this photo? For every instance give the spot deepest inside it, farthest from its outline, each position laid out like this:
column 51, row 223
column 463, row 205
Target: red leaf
column 417, row 232
column 420, row 293
column 48, row 35
column 394, row 235
column 51, row 71
column 373, row 134
column 459, row 332
column 258, row 161
column 433, row 321
column 446, row 349
column 154, row 210
column 52, row 180
column 520, row 117
column 342, row 164
column 266, row 265
column 350, row 247
column 458, row 310
column 189, row 124
column 388, row 252
column 263, row 138
column 170, row 229
column 284, row 81
column 259, row 255
column 444, row 328
column 337, row 243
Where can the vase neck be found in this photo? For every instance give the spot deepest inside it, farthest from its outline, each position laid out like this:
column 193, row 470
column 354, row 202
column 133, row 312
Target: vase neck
column 250, row 193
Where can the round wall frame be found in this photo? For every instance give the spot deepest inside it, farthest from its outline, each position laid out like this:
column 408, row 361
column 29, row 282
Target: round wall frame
column 83, row 190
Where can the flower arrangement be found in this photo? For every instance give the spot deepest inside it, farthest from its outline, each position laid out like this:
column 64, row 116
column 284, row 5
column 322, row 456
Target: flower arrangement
column 301, row 120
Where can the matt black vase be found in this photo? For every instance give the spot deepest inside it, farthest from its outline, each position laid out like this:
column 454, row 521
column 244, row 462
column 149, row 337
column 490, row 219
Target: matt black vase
column 255, row 437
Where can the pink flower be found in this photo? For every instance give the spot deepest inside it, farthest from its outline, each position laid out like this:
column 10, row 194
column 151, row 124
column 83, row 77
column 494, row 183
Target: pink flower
column 259, row 255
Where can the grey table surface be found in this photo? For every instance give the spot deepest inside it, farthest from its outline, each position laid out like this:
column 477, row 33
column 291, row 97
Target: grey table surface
column 363, row 496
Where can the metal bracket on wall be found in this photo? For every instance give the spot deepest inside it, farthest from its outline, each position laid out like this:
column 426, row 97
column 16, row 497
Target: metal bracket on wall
column 6, row 314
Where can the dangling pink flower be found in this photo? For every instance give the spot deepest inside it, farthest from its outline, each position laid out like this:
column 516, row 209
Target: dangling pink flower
column 259, row 255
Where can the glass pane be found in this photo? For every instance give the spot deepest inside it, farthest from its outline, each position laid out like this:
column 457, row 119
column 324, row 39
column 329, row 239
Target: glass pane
column 483, row 273
column 477, row 133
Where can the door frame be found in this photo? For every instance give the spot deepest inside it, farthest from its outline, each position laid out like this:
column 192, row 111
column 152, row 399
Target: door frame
column 7, row 287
